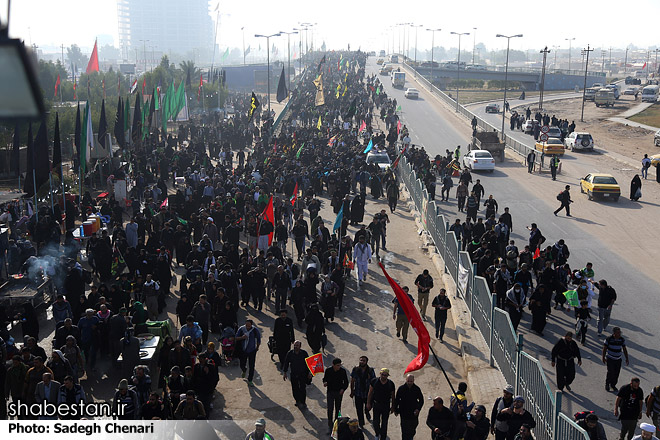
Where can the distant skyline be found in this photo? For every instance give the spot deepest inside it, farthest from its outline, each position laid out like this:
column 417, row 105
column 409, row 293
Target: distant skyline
column 51, row 23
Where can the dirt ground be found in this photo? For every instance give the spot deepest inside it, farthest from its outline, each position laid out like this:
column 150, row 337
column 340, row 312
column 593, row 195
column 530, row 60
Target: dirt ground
column 631, row 142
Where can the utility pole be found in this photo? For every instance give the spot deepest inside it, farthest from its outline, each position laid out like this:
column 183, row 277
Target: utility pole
column 584, row 89
column 602, row 66
column 570, row 45
column 433, row 31
column 555, row 63
column 474, row 43
column 545, row 53
column 610, row 69
column 458, row 64
column 655, row 70
column 648, row 57
column 625, row 62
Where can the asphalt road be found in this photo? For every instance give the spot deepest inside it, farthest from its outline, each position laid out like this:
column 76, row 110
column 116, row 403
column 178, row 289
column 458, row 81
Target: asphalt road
column 613, row 236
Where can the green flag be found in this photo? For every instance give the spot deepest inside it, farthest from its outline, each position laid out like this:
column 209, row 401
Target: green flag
column 182, row 221
column 156, row 103
column 398, row 108
column 165, row 106
column 378, row 91
column 180, row 99
column 300, row 151
column 225, row 55
column 572, row 298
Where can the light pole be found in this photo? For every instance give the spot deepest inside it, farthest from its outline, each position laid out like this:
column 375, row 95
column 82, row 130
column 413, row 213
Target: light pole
column 655, row 70
column 243, row 32
column 458, row 64
column 625, row 62
column 267, row 37
column 300, row 31
column 506, row 73
column 570, row 45
column 144, row 53
column 288, row 45
column 555, row 63
column 545, row 53
column 433, row 31
column 474, row 43
column 584, row 88
column 416, row 26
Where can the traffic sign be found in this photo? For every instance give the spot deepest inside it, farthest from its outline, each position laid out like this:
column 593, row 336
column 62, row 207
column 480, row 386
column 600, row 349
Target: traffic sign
column 545, row 129
column 543, row 137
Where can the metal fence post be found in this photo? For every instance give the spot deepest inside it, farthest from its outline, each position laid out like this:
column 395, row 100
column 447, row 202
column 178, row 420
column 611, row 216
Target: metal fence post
column 519, row 348
column 555, row 416
column 491, row 360
column 472, row 290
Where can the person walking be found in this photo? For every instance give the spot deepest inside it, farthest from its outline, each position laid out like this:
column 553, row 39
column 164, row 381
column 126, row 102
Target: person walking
column 440, row 420
column 335, row 380
column 653, row 407
column 515, row 302
column 407, row 404
column 635, row 188
column 400, row 317
column 531, row 158
column 250, row 337
column 515, row 417
column 647, row 432
column 628, row 407
column 259, row 432
column 565, row 198
column 361, row 377
column 300, row 374
column 362, row 257
column 424, row 283
column 472, row 206
column 606, row 300
column 614, row 349
column 478, row 425
column 563, row 357
column 646, row 164
column 595, row 429
column 461, row 194
column 500, row 428
column 478, row 191
column 441, row 304
column 283, row 335
column 381, row 399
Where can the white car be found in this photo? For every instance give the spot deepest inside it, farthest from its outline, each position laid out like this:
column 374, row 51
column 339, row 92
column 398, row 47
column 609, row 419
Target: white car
column 380, row 158
column 479, row 160
column 411, row 93
column 579, row 140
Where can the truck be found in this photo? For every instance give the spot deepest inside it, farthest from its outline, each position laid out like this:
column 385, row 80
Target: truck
column 650, row 93
column 398, row 79
column 394, row 59
column 604, row 97
column 489, row 141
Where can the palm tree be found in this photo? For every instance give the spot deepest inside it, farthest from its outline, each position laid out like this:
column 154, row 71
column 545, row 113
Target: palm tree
column 189, row 70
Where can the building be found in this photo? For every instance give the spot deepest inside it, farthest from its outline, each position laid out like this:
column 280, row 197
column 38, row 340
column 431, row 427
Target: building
column 178, row 28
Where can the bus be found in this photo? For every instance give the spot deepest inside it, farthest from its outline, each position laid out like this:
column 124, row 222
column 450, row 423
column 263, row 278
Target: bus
column 650, row 93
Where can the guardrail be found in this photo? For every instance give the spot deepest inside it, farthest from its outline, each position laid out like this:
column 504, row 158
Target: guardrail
column 512, row 144
column 520, row 369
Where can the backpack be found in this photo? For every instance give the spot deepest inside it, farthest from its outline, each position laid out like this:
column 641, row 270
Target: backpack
column 560, row 196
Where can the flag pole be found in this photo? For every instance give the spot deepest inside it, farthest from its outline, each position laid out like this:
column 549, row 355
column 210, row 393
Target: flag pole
column 34, row 185
column 50, row 179
column 453, row 391
column 63, row 188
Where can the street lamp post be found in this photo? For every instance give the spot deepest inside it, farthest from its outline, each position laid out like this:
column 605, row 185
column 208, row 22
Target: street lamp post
column 545, row 53
column 570, row 45
column 655, row 70
column 584, row 88
column 416, row 26
column 433, row 31
column 144, row 53
column 288, row 43
column 458, row 65
column 506, row 73
column 267, row 37
column 474, row 43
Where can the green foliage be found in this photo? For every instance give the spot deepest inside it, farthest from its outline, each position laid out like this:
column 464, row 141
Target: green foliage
column 499, row 84
column 75, row 56
column 467, row 83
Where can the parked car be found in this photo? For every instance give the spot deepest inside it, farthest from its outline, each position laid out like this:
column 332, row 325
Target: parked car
column 411, row 93
column 579, row 141
column 385, row 70
column 597, row 185
column 554, row 132
column 528, row 126
column 479, row 160
column 631, row 91
column 493, row 108
column 551, row 146
column 430, row 64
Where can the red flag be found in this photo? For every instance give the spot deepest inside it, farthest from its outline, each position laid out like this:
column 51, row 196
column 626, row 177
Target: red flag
column 423, row 338
column 398, row 127
column 269, row 214
column 93, row 65
column 537, row 253
column 294, row 197
column 199, row 90
column 396, row 162
column 644, row 66
column 315, row 364
column 57, row 85
column 362, row 126
column 144, row 85
column 332, row 140
column 133, row 86
column 165, row 204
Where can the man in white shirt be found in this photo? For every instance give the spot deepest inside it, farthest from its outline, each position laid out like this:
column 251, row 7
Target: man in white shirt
column 362, row 258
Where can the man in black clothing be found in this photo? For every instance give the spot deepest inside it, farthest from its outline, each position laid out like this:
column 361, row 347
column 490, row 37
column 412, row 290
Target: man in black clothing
column 381, row 399
column 478, row 425
column 606, row 299
column 283, row 334
column 628, row 407
column 440, row 420
column 478, row 191
column 408, row 403
column 335, row 380
column 500, row 428
column 441, row 304
column 281, row 284
column 563, row 356
column 515, row 417
column 361, row 377
column 300, row 373
column 565, row 198
column 424, row 283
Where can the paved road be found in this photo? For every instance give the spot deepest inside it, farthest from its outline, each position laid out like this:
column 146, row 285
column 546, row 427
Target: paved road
column 608, row 234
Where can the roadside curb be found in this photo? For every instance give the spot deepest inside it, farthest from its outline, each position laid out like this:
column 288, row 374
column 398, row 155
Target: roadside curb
column 485, row 383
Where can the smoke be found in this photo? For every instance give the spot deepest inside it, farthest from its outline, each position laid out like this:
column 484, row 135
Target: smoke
column 49, row 263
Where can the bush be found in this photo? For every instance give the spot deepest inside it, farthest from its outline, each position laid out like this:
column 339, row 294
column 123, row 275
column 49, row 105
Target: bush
column 499, row 84
column 467, row 83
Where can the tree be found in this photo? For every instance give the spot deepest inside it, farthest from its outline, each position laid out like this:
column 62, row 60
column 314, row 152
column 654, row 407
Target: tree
column 75, row 56
column 190, row 71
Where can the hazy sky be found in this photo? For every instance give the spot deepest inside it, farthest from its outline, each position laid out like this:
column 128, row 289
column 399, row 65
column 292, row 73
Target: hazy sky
column 365, row 24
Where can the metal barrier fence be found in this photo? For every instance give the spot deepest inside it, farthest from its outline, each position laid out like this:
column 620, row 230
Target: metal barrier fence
column 519, row 368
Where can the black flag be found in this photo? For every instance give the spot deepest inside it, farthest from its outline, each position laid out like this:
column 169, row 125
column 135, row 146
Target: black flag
column 152, row 109
column 254, row 104
column 41, row 159
column 282, row 92
column 28, row 185
column 16, row 152
column 136, row 129
column 76, row 140
column 57, row 147
column 321, row 62
column 351, row 110
column 103, row 126
column 119, row 123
